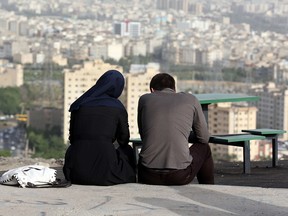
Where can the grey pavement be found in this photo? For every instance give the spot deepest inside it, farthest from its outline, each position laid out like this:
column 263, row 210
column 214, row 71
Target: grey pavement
column 139, row 199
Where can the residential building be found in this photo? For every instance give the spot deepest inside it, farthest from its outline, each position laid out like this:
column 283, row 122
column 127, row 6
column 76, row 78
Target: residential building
column 173, row 4
column 11, row 48
column 59, row 59
column 11, row 75
column 23, row 58
column 106, row 49
column 137, row 83
column 272, row 106
column 13, row 26
column 115, row 51
column 225, row 118
column 128, row 28
column 98, row 50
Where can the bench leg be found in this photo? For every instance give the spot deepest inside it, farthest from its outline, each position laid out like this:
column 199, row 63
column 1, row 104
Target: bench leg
column 136, row 147
column 246, row 158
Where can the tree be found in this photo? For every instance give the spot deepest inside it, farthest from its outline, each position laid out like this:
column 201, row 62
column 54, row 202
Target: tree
column 46, row 144
column 10, row 100
column 5, row 153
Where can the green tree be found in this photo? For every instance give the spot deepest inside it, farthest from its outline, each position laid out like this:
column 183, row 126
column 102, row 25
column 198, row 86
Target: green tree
column 45, row 144
column 5, row 153
column 10, row 100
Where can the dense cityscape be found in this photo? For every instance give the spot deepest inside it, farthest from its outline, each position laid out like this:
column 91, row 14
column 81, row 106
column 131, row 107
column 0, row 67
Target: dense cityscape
column 61, row 47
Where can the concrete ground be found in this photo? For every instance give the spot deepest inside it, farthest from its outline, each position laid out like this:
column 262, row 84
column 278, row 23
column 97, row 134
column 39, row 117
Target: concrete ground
column 263, row 192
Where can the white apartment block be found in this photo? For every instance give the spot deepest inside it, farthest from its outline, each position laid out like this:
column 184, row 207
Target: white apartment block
column 137, row 84
column 11, row 75
column 225, row 118
column 115, row 51
column 272, row 106
column 77, row 81
column 105, row 50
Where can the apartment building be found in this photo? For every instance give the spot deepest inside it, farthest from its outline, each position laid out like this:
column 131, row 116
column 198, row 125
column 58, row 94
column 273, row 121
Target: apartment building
column 10, row 74
column 178, row 5
column 23, row 58
column 11, row 48
column 78, row 80
column 225, row 118
column 272, row 106
column 128, row 28
column 188, row 54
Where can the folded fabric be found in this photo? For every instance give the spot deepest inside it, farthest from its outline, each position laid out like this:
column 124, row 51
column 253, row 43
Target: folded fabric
column 29, row 176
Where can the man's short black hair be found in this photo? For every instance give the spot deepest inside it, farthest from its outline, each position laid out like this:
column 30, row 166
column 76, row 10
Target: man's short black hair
column 161, row 81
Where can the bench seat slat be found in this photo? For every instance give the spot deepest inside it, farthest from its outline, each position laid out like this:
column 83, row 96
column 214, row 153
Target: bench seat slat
column 264, row 131
column 234, row 138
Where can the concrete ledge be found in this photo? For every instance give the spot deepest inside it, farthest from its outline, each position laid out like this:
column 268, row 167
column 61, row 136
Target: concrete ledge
column 139, row 199
column 263, row 192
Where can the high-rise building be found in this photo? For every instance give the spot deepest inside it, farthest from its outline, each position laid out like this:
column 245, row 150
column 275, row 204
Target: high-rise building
column 173, row 4
column 13, row 26
column 162, row 4
column 196, row 8
column 272, row 106
column 127, row 28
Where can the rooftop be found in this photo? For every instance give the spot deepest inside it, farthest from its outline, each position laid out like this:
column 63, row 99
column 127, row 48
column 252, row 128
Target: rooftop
column 263, row 192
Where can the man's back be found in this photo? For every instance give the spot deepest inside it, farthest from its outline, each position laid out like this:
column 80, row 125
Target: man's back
column 165, row 120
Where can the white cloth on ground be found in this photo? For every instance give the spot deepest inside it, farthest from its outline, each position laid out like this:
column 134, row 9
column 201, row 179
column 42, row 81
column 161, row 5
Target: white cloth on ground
column 29, row 176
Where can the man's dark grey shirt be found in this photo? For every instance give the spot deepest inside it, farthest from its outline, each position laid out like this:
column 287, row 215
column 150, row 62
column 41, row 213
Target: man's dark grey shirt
column 165, row 120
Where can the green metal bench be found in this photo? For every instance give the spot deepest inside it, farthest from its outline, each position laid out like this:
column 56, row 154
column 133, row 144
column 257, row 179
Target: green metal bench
column 240, row 140
column 269, row 134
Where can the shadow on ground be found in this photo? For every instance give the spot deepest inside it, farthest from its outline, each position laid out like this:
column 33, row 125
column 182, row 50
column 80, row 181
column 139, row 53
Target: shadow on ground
column 262, row 174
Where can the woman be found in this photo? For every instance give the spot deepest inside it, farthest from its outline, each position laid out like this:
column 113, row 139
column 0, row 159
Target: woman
column 98, row 119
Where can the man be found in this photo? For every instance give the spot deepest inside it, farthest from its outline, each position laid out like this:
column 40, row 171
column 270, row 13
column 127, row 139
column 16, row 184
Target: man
column 167, row 121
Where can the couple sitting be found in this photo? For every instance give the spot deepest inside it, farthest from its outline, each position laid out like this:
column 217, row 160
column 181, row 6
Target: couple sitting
column 165, row 120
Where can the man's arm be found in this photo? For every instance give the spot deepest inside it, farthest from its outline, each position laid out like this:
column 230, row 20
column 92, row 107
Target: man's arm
column 139, row 116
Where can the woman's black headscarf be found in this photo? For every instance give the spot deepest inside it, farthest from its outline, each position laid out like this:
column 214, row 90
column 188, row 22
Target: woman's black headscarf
column 104, row 93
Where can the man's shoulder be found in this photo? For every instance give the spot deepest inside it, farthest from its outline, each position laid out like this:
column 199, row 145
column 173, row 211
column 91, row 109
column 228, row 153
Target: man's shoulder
column 187, row 95
column 145, row 95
